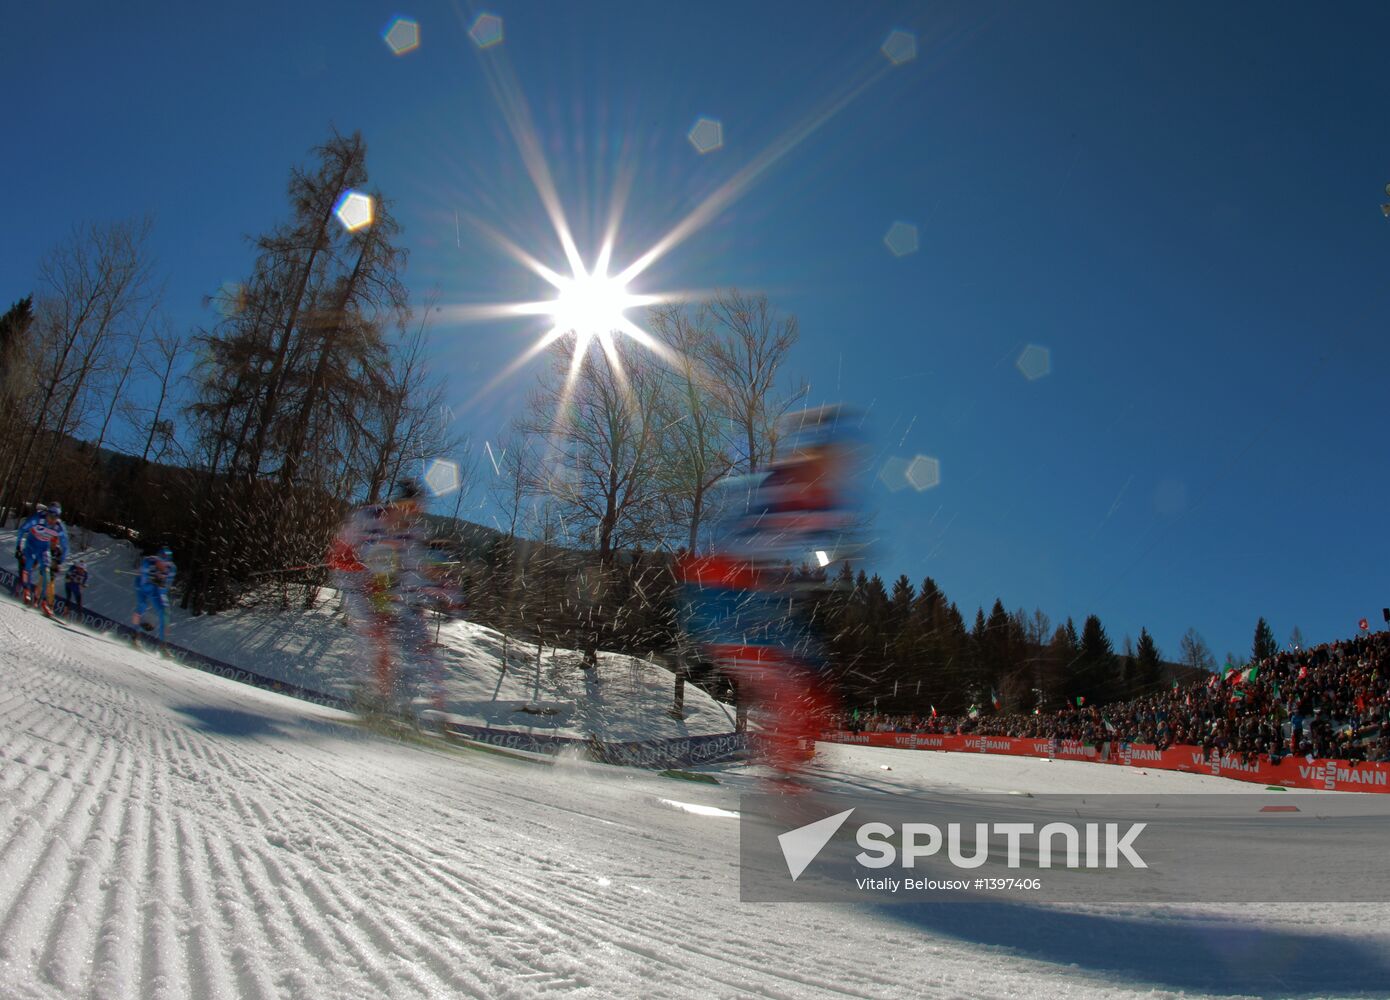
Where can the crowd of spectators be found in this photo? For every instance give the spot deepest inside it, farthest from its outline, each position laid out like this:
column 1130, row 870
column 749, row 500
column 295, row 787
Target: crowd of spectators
column 1332, row 702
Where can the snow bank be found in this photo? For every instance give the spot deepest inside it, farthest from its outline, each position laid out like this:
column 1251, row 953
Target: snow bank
column 317, row 649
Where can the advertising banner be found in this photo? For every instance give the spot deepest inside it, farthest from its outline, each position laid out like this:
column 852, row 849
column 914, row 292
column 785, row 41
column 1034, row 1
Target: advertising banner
column 1289, row 772
column 684, row 751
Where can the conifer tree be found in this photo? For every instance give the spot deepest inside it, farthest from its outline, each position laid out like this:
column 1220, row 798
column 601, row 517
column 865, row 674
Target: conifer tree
column 1148, row 664
column 1098, row 664
column 1265, row 645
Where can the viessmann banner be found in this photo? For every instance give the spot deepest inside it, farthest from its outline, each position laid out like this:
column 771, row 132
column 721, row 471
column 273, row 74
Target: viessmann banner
column 1291, row 772
column 1224, row 847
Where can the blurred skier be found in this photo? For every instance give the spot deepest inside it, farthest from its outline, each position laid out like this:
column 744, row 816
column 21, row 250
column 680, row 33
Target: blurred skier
column 382, row 565
column 73, row 583
column 361, row 534
column 744, row 602
column 152, row 583
column 45, row 548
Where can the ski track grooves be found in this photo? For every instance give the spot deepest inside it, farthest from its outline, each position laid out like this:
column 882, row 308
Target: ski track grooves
column 147, row 853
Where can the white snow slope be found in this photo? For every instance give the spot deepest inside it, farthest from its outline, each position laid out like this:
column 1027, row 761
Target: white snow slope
column 167, row 833
column 316, row 649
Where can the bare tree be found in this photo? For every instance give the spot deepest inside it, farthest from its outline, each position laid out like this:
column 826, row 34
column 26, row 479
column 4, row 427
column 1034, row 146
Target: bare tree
column 513, row 476
column 749, row 345
column 465, row 465
column 299, row 254
column 158, row 361
column 695, row 445
column 502, row 598
column 95, row 290
column 16, row 376
column 603, row 455
column 600, row 466
column 344, row 336
column 1195, row 652
column 412, row 418
column 305, row 401
column 115, row 396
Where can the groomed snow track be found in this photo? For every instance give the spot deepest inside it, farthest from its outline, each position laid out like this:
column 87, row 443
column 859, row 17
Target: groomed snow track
column 166, row 833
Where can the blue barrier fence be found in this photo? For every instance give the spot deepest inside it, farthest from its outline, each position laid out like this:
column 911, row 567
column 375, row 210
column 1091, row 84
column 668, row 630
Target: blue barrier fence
column 681, row 751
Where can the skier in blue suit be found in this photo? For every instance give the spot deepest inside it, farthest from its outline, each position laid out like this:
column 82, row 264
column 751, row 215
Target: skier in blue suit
column 25, row 525
column 74, row 582
column 45, row 548
column 152, row 585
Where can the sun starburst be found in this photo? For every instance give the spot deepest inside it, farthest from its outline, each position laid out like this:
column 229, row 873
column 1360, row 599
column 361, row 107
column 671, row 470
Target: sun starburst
column 593, row 304
column 589, row 305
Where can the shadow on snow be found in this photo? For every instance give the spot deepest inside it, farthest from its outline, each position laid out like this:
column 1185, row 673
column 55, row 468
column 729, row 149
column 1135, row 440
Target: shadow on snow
column 230, row 721
column 1181, row 952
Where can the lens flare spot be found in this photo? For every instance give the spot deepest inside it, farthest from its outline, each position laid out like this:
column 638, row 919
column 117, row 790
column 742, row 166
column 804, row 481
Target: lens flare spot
column 901, row 239
column 706, row 135
column 899, row 47
column 442, row 476
column 924, row 473
column 486, row 31
column 354, row 210
column 894, row 474
column 402, row 36
column 1034, row 362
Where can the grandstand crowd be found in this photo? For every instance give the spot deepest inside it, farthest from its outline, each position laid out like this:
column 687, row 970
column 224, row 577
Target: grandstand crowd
column 1331, row 702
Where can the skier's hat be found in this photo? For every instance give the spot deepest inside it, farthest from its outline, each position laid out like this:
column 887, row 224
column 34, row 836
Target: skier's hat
column 816, row 427
column 55, row 509
column 40, row 508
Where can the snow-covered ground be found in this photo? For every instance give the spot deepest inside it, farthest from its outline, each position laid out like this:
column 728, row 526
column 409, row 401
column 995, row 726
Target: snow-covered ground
column 316, row 649
column 168, row 833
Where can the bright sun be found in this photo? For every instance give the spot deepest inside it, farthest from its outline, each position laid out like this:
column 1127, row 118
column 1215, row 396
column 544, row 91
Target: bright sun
column 592, row 305
column 589, row 304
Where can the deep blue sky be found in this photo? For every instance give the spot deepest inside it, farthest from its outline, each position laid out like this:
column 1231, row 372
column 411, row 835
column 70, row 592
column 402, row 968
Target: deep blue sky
column 1179, row 200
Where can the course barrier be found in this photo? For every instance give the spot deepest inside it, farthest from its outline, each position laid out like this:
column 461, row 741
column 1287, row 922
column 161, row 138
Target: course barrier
column 680, row 751
column 1290, row 772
